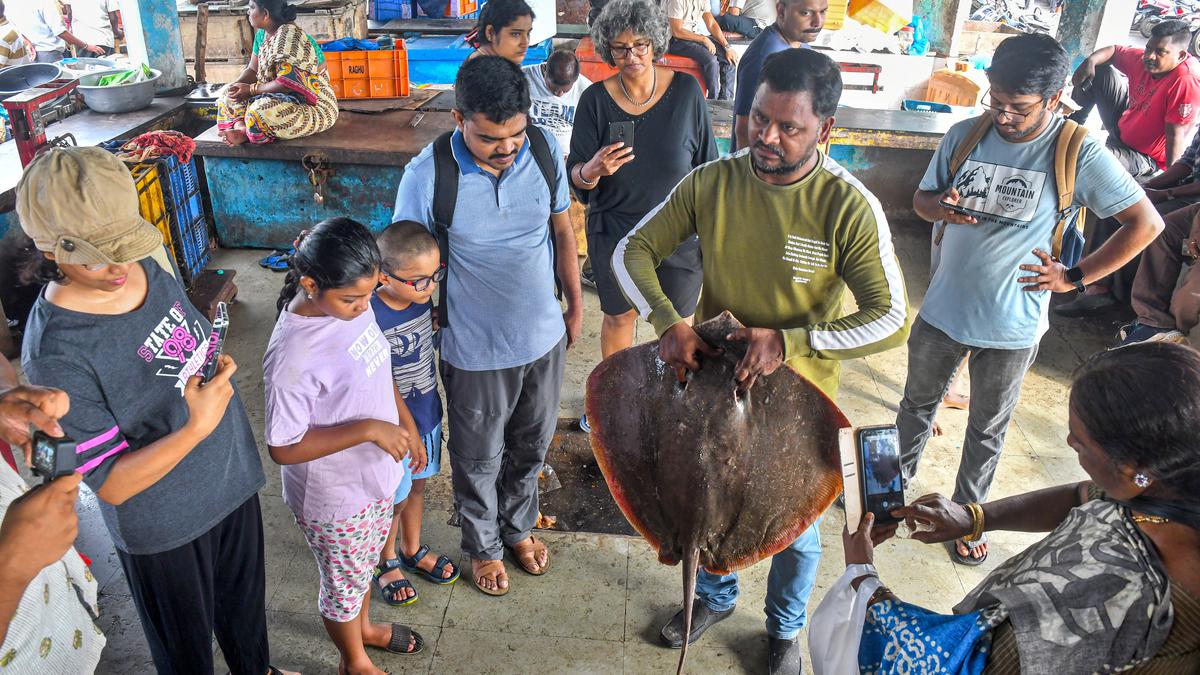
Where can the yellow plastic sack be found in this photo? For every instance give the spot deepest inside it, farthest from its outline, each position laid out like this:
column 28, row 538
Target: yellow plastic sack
column 888, row 16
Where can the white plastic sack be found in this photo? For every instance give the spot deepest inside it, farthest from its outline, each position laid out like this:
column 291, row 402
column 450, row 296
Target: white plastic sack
column 834, row 630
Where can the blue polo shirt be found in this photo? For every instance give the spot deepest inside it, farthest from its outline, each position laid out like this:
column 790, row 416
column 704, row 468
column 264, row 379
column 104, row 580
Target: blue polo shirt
column 500, row 275
column 749, row 70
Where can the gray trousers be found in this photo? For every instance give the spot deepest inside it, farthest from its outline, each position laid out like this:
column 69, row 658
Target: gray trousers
column 996, row 376
column 501, row 424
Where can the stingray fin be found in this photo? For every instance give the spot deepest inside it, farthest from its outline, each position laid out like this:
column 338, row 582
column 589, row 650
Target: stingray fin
column 691, row 561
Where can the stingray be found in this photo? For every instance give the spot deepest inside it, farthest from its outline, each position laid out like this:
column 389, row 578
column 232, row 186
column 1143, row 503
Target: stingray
column 710, row 476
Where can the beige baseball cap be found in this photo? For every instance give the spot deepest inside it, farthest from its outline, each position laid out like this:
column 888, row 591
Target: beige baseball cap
column 81, row 205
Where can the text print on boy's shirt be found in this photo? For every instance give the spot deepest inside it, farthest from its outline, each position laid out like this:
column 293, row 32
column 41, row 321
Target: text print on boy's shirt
column 409, row 332
column 125, row 375
column 1005, row 192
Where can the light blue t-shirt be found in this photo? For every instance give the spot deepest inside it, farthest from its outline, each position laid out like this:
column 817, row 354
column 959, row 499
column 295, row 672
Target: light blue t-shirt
column 974, row 296
column 500, row 276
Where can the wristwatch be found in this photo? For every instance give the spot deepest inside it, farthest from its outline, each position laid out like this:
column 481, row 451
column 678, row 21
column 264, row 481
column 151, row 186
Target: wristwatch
column 1075, row 276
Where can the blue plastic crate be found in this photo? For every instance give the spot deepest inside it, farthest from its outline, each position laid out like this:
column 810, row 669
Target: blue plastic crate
column 913, row 105
column 386, row 10
column 435, row 59
column 192, row 242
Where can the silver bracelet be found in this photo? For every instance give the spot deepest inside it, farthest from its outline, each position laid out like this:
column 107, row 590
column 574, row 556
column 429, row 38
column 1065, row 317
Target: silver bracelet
column 579, row 172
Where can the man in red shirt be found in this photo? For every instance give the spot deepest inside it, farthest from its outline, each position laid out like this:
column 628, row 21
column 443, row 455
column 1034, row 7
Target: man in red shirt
column 1149, row 116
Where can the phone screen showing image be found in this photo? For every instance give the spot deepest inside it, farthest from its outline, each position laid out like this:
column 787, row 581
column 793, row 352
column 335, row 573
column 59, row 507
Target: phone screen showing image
column 216, row 343
column 881, row 479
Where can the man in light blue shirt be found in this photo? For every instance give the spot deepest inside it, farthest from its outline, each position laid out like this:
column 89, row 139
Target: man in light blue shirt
column 991, row 288
column 506, row 336
column 797, row 23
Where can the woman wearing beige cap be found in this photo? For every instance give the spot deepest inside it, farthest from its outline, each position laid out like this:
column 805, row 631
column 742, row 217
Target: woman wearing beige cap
column 173, row 460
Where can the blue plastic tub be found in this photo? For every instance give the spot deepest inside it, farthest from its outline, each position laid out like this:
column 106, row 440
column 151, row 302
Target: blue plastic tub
column 913, row 105
column 435, row 59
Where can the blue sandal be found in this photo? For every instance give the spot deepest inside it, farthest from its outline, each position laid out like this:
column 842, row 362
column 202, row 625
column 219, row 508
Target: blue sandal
column 278, row 261
column 390, row 591
column 439, row 568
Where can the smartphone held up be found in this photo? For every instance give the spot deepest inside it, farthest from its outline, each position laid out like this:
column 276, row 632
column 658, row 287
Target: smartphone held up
column 871, row 474
column 216, row 343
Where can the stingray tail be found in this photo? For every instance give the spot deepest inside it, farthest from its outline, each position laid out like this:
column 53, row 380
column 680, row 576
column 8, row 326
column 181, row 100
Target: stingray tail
column 691, row 562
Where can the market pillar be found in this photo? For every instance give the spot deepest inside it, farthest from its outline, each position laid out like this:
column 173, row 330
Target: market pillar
column 1088, row 24
column 944, row 21
column 152, row 31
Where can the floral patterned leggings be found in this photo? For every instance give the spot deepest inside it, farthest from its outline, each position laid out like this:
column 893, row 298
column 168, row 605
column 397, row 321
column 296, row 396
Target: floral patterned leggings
column 346, row 552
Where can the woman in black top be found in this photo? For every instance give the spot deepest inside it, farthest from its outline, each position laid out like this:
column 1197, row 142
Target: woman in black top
column 672, row 135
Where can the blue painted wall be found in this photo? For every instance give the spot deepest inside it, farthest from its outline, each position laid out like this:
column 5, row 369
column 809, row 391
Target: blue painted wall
column 8, row 221
column 261, row 203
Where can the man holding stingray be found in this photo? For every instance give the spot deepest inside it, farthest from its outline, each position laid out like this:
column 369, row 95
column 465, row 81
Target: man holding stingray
column 784, row 231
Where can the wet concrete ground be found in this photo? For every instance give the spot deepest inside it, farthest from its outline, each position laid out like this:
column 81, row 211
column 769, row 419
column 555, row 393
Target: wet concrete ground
column 599, row 608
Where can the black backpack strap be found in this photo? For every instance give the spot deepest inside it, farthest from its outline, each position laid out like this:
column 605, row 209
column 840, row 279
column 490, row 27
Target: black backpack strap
column 540, row 148
column 445, row 195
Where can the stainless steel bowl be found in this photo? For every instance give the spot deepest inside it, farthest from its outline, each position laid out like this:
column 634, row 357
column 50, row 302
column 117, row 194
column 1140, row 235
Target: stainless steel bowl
column 16, row 79
column 118, row 98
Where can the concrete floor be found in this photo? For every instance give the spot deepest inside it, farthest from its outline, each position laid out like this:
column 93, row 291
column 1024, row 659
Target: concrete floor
column 599, row 608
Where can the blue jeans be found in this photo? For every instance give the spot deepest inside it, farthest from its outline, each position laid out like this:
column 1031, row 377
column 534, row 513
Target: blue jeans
column 793, row 572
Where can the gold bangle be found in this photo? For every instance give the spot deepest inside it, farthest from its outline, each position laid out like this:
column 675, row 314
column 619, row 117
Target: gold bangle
column 977, row 522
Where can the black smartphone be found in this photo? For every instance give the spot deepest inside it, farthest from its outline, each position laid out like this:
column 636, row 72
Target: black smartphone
column 52, row 457
column 620, row 132
column 955, row 208
column 880, row 478
column 216, row 342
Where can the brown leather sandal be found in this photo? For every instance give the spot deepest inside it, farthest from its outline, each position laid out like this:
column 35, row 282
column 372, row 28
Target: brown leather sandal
column 483, row 568
column 526, row 554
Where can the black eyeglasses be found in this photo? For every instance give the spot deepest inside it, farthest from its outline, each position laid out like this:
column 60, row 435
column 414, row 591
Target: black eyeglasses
column 421, row 283
column 639, row 49
column 1018, row 116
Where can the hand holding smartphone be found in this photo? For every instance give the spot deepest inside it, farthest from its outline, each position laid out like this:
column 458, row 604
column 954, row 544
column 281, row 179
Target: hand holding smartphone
column 620, row 132
column 216, row 343
column 871, row 473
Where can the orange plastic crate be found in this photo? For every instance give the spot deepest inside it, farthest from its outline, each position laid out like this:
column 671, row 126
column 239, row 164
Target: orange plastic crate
column 369, row 74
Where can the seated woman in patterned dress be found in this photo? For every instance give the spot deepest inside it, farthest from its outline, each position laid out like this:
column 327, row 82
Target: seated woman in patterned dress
column 285, row 91
column 1114, row 587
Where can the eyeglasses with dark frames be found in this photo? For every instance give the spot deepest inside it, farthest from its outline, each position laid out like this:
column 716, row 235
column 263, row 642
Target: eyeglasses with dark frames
column 638, row 49
column 1016, row 115
column 422, row 283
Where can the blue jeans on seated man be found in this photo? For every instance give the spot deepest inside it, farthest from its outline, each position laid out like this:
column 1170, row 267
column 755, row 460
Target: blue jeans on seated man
column 736, row 23
column 793, row 573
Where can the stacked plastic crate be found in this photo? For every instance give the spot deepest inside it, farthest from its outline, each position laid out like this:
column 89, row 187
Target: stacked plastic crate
column 169, row 198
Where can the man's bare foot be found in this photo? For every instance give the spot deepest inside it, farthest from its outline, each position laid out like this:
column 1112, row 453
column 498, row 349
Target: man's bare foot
column 235, row 136
column 956, row 401
column 979, row 551
column 532, row 555
column 490, row 576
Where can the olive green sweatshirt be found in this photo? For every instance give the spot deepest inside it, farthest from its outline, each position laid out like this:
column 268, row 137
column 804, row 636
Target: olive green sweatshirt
column 777, row 257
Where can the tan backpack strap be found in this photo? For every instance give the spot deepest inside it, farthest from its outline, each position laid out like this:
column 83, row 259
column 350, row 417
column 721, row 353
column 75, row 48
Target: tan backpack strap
column 1066, row 161
column 978, row 130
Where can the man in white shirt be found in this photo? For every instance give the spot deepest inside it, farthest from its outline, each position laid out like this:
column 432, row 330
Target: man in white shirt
column 696, row 35
column 747, row 17
column 554, row 90
column 42, row 24
column 95, row 22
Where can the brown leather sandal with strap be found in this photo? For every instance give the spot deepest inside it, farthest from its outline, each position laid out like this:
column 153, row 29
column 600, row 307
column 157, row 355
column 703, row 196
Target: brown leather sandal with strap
column 493, row 568
column 526, row 554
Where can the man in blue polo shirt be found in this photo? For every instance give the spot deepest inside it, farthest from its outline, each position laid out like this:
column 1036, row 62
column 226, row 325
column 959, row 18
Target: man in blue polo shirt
column 505, row 341
column 797, row 23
